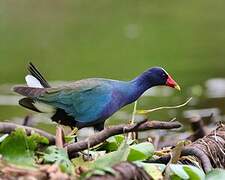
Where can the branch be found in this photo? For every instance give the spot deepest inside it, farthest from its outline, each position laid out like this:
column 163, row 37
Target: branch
column 124, row 170
column 9, row 127
column 115, row 130
column 98, row 137
column 59, row 137
column 197, row 126
column 209, row 151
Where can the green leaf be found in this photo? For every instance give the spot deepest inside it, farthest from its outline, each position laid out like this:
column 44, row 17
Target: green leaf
column 178, row 171
column 36, row 139
column 3, row 137
column 112, row 158
column 69, row 139
column 153, row 169
column 141, row 151
column 98, row 172
column 59, row 156
column 117, row 138
column 79, row 161
column 19, row 149
column 174, row 177
column 194, row 172
column 113, row 143
column 216, row 174
column 186, row 172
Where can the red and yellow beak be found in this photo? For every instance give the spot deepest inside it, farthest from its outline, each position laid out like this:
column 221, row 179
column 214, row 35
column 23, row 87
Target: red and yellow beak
column 171, row 83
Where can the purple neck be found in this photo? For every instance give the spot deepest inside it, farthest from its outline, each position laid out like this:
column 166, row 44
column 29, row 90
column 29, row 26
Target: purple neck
column 138, row 86
column 142, row 81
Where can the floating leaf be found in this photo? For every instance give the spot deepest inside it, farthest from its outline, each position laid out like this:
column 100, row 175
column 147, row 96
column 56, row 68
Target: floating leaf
column 153, row 169
column 194, row 172
column 35, row 139
column 141, row 151
column 3, row 137
column 143, row 112
column 97, row 172
column 59, row 156
column 80, row 162
column 178, row 170
column 216, row 174
column 69, row 139
column 113, row 143
column 18, row 148
column 186, row 172
column 112, row 158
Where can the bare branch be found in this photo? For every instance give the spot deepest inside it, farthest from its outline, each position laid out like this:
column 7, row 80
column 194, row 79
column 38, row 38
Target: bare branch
column 124, row 170
column 119, row 129
column 59, row 140
column 209, row 150
column 9, row 127
column 98, row 137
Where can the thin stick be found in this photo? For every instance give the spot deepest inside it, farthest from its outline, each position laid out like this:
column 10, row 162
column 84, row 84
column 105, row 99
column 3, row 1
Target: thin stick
column 59, row 142
column 163, row 107
column 133, row 135
column 134, row 112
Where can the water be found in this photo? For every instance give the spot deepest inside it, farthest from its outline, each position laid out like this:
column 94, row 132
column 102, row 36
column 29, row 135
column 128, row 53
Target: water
column 71, row 40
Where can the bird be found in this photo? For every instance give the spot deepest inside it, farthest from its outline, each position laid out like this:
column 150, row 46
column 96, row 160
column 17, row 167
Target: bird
column 87, row 102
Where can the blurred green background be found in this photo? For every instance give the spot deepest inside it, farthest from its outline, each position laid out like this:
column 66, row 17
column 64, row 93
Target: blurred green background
column 71, row 40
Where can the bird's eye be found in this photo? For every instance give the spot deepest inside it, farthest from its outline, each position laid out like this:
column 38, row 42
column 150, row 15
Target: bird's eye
column 163, row 75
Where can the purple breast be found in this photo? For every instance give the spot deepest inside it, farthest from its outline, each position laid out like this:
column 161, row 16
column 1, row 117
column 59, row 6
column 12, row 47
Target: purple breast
column 117, row 101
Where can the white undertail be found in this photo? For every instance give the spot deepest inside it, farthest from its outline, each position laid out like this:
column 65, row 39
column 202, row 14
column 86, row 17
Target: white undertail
column 42, row 107
column 33, row 82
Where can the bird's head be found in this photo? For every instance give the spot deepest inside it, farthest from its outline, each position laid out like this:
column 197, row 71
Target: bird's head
column 158, row 76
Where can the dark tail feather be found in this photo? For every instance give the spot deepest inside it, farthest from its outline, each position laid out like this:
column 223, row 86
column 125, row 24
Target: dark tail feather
column 29, row 91
column 28, row 103
column 34, row 72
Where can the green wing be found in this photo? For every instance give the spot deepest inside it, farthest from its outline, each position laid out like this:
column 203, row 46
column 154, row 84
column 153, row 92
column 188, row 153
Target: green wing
column 84, row 100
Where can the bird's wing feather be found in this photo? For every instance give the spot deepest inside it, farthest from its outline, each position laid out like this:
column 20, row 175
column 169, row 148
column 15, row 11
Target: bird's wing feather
column 77, row 86
column 31, row 92
column 85, row 104
column 84, row 100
